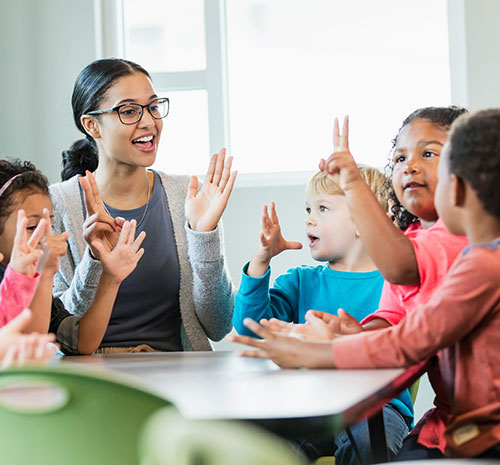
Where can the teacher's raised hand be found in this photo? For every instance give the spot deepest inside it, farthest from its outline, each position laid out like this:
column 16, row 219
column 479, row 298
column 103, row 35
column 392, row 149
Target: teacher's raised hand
column 99, row 225
column 205, row 207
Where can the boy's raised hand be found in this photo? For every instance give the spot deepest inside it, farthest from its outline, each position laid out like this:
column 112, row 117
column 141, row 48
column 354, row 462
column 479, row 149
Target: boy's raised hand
column 122, row 260
column 54, row 246
column 205, row 207
column 341, row 160
column 98, row 224
column 271, row 243
column 26, row 254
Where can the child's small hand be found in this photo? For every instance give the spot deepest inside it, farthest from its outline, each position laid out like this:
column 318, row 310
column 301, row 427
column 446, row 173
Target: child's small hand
column 341, row 160
column 54, row 246
column 17, row 348
column 122, row 260
column 271, row 243
column 26, row 254
column 342, row 324
column 285, row 351
column 314, row 330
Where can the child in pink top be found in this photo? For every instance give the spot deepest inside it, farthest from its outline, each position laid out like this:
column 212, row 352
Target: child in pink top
column 415, row 261
column 435, row 251
column 461, row 322
column 21, row 277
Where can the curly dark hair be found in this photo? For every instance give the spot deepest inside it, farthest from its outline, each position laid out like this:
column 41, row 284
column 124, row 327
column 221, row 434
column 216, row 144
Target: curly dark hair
column 31, row 181
column 475, row 155
column 440, row 116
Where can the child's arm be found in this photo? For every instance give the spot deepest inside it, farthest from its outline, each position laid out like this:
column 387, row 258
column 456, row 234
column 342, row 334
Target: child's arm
column 389, row 248
column 271, row 243
column 254, row 298
column 20, row 279
column 117, row 265
column 470, row 294
column 55, row 246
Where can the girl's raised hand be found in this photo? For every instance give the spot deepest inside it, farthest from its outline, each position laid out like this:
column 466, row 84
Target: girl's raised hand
column 98, row 224
column 122, row 260
column 205, row 207
column 26, row 254
column 54, row 246
column 341, row 160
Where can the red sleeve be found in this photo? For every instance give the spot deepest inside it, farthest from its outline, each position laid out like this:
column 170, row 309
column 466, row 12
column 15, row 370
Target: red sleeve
column 16, row 293
column 435, row 251
column 389, row 307
column 469, row 293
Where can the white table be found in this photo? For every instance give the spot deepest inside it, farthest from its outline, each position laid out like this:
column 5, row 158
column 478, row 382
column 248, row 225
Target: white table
column 221, row 385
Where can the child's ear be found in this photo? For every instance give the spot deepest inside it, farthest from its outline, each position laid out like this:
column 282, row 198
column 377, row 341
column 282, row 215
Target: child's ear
column 457, row 191
column 90, row 125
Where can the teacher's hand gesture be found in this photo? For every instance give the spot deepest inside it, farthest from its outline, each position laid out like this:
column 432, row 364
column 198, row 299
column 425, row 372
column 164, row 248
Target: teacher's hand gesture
column 99, row 225
column 204, row 208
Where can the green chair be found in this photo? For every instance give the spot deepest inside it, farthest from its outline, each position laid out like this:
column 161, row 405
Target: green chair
column 169, row 439
column 62, row 416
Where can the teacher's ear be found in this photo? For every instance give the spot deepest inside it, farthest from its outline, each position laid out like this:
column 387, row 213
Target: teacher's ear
column 90, row 125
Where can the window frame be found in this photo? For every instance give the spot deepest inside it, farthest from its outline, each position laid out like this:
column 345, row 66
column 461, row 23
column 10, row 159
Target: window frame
column 110, row 41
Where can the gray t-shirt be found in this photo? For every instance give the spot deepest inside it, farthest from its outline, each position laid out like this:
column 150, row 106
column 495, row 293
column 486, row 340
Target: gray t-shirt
column 146, row 309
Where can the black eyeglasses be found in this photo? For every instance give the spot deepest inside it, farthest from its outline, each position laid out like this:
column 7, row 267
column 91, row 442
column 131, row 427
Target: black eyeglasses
column 131, row 113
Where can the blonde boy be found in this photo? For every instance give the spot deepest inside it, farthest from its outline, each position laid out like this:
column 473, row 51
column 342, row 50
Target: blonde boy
column 347, row 279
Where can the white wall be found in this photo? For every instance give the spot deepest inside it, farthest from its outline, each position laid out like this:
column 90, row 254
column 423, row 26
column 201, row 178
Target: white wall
column 46, row 43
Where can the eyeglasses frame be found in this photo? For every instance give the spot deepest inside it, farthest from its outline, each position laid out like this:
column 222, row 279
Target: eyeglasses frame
column 117, row 109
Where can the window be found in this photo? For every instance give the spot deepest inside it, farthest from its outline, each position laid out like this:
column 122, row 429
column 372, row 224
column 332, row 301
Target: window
column 292, row 66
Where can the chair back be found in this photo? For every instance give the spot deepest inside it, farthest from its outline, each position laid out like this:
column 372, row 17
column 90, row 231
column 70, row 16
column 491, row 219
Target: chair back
column 61, row 416
column 170, row 439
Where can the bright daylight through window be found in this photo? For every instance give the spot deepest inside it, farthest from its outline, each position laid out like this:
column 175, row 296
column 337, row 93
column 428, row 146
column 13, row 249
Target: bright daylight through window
column 292, row 67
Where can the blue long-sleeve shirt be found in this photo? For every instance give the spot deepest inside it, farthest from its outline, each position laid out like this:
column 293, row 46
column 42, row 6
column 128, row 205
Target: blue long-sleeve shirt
column 312, row 287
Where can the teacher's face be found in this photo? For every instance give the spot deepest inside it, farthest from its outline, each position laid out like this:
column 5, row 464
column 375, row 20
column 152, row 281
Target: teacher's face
column 131, row 144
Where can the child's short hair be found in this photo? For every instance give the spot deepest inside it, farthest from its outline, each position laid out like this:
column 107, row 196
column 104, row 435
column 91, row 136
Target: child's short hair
column 475, row 155
column 322, row 183
column 18, row 176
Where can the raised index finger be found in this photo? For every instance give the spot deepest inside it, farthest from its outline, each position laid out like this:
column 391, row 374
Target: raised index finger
column 344, row 138
column 48, row 226
column 37, row 234
column 336, row 135
column 88, row 195
column 93, row 186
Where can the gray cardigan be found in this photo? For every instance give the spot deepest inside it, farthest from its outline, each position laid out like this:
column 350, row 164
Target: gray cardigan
column 206, row 293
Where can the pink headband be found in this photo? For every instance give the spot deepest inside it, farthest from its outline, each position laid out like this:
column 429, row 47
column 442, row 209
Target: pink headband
column 8, row 183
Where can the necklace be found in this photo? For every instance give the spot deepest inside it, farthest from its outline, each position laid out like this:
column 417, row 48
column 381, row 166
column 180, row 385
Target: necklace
column 145, row 209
